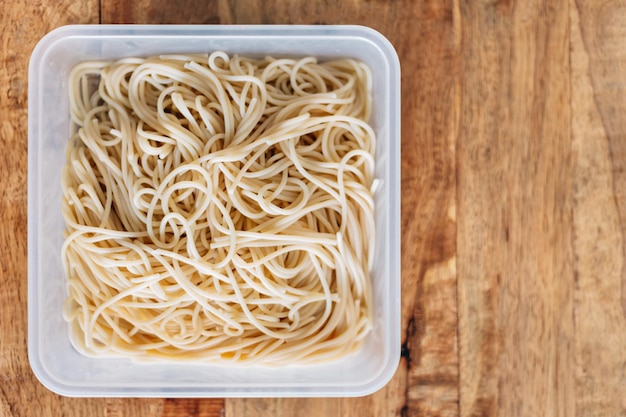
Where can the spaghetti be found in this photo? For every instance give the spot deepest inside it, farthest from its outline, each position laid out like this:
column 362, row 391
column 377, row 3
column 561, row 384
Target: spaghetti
column 219, row 209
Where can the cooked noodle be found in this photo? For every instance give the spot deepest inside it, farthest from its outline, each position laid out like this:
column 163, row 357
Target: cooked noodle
column 219, row 209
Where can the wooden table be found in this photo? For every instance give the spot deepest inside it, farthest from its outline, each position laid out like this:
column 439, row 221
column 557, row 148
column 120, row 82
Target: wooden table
column 513, row 209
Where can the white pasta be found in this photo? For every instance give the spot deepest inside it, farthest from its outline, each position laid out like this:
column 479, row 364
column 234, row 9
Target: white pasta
column 219, row 209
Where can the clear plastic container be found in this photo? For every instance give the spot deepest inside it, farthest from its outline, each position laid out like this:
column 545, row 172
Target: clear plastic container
column 55, row 362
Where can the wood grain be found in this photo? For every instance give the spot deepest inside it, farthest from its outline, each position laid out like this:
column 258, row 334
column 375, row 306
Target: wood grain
column 514, row 173
column 513, row 205
column 599, row 128
column 430, row 92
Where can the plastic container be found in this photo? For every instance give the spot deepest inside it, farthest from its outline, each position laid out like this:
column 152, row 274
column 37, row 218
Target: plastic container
column 54, row 361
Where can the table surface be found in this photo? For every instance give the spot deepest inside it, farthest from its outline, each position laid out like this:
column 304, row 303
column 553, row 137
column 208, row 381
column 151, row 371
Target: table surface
column 513, row 205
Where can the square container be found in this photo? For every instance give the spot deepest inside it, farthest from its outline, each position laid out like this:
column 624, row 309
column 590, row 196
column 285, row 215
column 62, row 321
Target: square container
column 53, row 359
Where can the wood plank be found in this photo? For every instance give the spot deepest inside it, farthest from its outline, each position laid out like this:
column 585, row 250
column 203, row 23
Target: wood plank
column 599, row 128
column 514, row 182
column 427, row 38
column 430, row 58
